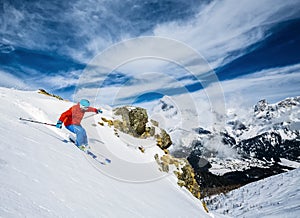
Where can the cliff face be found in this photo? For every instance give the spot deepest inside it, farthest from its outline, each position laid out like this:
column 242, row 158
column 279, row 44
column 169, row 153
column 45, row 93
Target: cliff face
column 134, row 121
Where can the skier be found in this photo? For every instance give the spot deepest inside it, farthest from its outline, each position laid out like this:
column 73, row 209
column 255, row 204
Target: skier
column 72, row 118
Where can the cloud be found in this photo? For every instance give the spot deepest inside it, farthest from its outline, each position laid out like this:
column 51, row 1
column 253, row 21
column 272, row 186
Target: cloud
column 10, row 81
column 220, row 30
column 273, row 84
column 128, row 92
column 223, row 30
column 61, row 80
column 82, row 29
column 242, row 93
column 152, row 64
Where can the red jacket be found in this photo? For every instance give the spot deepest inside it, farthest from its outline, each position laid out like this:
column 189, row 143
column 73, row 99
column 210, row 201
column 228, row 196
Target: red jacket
column 74, row 115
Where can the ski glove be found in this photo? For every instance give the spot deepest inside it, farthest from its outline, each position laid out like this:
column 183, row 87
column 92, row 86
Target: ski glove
column 99, row 111
column 58, row 124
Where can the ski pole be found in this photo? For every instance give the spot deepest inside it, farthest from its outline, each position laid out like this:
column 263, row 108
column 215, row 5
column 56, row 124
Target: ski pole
column 34, row 121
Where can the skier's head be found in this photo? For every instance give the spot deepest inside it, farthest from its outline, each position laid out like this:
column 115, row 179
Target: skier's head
column 84, row 104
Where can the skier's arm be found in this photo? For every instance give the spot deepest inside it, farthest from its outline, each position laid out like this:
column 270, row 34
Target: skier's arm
column 65, row 115
column 92, row 109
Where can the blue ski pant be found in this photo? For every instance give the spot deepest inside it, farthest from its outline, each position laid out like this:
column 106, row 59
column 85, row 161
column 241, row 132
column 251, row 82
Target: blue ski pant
column 81, row 137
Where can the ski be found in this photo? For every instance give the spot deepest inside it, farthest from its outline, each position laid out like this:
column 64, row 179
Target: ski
column 99, row 157
column 105, row 158
column 88, row 152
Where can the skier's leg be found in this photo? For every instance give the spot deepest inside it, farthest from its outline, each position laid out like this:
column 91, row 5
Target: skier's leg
column 81, row 137
column 85, row 139
column 71, row 128
column 80, row 134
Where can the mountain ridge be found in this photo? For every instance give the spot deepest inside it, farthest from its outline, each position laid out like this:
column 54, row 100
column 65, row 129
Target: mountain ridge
column 253, row 146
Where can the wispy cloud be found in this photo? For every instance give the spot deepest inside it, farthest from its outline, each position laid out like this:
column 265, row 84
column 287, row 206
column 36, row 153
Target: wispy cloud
column 243, row 92
column 153, row 64
column 81, row 29
column 60, row 81
column 10, row 81
column 273, row 84
column 241, row 95
column 223, row 30
column 219, row 30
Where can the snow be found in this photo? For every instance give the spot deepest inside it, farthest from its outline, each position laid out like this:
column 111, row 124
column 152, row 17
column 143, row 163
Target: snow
column 222, row 166
column 276, row 196
column 41, row 175
column 289, row 163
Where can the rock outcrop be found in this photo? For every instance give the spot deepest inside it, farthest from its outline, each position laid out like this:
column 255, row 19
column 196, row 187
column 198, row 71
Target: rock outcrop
column 44, row 92
column 134, row 121
column 182, row 169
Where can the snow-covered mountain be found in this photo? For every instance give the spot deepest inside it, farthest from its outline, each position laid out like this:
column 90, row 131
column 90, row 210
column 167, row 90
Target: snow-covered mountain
column 253, row 144
column 44, row 175
column 272, row 132
column 276, row 196
column 266, row 132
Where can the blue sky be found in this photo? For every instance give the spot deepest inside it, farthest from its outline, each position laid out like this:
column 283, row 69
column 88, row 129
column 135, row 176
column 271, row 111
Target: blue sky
column 49, row 45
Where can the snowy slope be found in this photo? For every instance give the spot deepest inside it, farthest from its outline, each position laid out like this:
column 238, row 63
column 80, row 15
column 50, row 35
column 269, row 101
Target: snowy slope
column 276, row 196
column 41, row 175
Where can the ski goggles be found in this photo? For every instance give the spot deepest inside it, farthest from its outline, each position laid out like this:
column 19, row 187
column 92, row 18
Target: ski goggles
column 84, row 107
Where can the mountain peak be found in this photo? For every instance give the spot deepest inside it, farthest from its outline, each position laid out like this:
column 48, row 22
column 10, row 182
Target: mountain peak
column 269, row 111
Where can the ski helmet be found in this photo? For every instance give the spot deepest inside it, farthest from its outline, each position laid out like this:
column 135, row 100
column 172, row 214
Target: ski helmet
column 84, row 103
